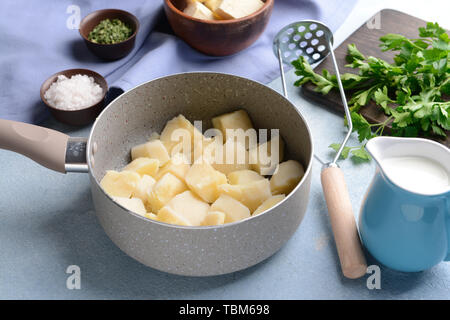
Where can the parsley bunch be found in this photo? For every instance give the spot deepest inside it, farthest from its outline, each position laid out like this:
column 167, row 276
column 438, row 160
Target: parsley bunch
column 110, row 31
column 411, row 91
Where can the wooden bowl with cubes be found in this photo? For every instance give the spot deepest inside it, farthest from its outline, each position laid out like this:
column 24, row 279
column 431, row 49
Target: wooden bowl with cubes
column 218, row 27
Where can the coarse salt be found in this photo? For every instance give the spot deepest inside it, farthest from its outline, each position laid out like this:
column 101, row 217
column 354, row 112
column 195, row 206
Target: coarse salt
column 78, row 92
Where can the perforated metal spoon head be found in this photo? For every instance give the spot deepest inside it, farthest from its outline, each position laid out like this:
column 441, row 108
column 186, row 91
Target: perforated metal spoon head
column 308, row 38
column 314, row 41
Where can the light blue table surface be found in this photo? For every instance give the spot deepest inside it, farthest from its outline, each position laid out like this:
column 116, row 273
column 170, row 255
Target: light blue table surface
column 47, row 222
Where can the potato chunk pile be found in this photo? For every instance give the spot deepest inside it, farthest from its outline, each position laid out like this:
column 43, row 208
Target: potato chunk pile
column 183, row 177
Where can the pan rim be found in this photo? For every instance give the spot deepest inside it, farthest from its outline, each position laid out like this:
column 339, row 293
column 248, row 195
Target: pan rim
column 306, row 174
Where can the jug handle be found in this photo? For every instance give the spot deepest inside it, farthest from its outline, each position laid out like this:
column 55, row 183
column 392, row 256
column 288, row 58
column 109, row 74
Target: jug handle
column 45, row 146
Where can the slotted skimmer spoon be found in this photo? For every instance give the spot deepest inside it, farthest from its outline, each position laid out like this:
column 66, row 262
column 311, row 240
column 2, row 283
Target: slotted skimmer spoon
column 314, row 41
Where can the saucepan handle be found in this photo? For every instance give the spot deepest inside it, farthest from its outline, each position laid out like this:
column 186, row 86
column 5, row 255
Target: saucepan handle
column 45, row 146
column 353, row 262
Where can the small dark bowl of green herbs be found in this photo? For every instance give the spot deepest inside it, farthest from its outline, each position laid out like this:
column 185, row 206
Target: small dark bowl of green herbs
column 109, row 33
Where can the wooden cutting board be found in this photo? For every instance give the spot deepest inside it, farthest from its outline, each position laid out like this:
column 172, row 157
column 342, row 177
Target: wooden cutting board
column 367, row 41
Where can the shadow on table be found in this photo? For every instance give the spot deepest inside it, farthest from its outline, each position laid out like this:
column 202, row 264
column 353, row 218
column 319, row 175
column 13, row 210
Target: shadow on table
column 81, row 53
column 108, row 273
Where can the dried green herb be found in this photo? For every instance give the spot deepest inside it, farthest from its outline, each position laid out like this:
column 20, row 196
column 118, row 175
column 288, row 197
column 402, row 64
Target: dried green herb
column 110, row 32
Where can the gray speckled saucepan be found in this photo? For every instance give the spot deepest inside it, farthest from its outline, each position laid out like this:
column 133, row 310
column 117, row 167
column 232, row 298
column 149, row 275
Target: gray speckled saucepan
column 129, row 120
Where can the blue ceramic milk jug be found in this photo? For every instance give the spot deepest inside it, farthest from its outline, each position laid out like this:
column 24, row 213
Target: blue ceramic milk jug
column 403, row 228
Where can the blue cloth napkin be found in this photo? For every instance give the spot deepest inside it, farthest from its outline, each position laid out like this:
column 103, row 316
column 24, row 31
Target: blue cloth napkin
column 39, row 38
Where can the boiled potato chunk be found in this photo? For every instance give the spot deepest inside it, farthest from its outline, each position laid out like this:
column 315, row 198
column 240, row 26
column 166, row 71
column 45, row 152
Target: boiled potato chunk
column 199, row 149
column 209, row 150
column 204, row 180
column 251, row 194
column 234, row 158
column 151, row 215
column 243, row 176
column 197, row 10
column 153, row 149
column 255, row 193
column 234, row 120
column 134, row 204
column 233, row 209
column 167, row 215
column 178, row 165
column 265, row 157
column 144, row 188
column 214, row 218
column 154, row 136
column 180, row 134
column 234, row 191
column 164, row 190
column 185, row 209
column 286, row 177
column 120, row 184
column 269, row 203
column 212, row 4
column 143, row 166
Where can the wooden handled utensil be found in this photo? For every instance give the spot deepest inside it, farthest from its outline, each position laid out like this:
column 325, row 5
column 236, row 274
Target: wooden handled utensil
column 314, row 41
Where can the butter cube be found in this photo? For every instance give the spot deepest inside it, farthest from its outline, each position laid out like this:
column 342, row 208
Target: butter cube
column 286, row 177
column 233, row 209
column 269, row 203
column 144, row 188
column 197, row 10
column 214, row 218
column 235, row 9
column 143, row 166
column 153, row 149
column 134, row 204
column 180, row 134
column 164, row 190
column 243, row 176
column 204, row 181
column 185, row 209
column 120, row 184
column 265, row 157
column 209, row 150
column 234, row 120
column 212, row 4
column 178, row 165
column 234, row 157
